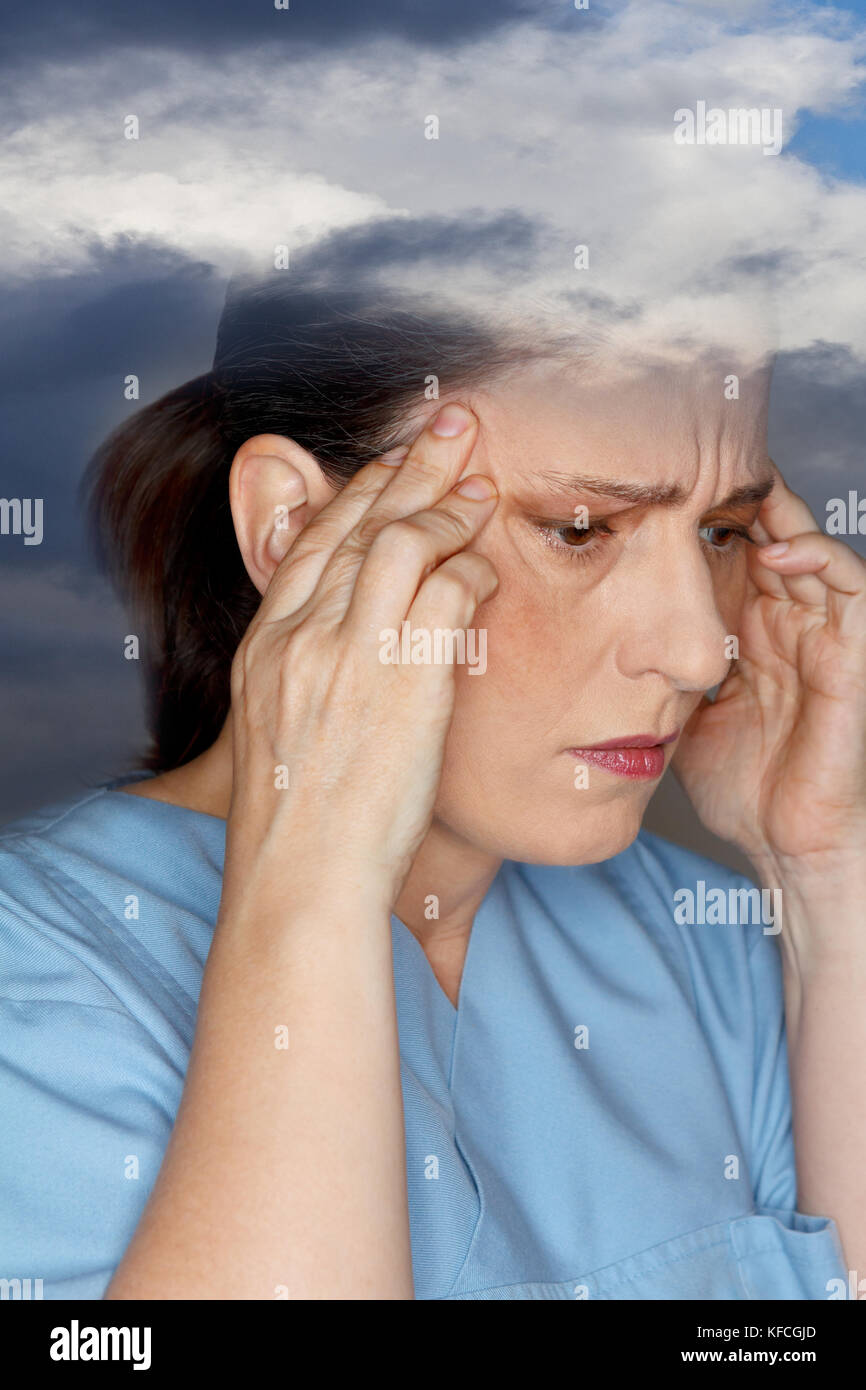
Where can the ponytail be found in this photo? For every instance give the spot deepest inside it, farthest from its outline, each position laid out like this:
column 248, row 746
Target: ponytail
column 158, row 495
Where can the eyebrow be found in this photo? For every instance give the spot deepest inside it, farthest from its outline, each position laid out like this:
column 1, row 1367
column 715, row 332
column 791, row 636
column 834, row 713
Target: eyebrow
column 657, row 494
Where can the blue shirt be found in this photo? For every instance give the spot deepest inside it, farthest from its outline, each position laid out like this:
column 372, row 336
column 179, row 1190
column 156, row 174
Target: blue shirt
column 606, row 1115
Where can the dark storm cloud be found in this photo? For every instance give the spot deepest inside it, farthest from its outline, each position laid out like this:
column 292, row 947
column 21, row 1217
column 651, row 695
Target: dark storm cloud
column 817, row 425
column 68, row 342
column 145, row 308
column 763, row 265
column 764, row 269
column 601, row 308
column 70, row 703
column 66, row 30
column 507, row 241
column 69, row 339
column 131, row 302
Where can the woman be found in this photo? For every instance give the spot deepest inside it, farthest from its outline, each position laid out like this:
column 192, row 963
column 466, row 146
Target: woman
column 374, row 988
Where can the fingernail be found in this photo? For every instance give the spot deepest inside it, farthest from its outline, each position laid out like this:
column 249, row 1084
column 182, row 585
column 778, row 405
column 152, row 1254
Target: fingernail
column 772, row 551
column 478, row 487
column 451, row 420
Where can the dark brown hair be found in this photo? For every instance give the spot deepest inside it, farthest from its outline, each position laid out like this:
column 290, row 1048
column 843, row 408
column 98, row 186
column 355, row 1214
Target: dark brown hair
column 337, row 372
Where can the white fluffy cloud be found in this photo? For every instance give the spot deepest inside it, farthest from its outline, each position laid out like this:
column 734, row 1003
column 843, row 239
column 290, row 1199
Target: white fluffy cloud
column 574, row 128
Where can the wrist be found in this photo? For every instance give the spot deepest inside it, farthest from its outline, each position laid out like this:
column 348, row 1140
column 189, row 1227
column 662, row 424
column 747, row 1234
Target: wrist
column 294, row 859
column 826, row 874
column 284, row 887
column 821, row 907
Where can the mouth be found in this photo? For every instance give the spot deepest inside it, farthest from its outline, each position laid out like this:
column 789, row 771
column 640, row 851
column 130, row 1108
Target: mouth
column 638, row 756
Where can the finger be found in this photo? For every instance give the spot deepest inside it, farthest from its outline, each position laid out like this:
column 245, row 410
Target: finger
column 831, row 570
column 784, row 514
column 301, row 568
column 435, row 461
column 761, row 577
column 432, row 466
column 441, row 616
column 451, row 595
column 407, row 549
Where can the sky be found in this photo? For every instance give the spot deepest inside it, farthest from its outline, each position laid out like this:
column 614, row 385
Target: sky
column 305, row 127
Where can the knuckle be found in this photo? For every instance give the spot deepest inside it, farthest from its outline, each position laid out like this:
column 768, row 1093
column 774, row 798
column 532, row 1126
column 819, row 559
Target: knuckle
column 419, row 457
column 338, row 575
column 488, row 579
column 453, row 589
column 403, row 542
column 456, row 520
column 366, row 531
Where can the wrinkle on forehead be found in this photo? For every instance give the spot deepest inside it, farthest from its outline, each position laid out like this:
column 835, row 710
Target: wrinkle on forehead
column 666, row 426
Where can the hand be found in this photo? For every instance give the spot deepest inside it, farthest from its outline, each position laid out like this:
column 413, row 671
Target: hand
column 362, row 742
column 777, row 764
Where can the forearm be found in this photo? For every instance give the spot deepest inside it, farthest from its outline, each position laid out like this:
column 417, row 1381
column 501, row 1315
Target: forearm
column 823, row 948
column 286, row 1166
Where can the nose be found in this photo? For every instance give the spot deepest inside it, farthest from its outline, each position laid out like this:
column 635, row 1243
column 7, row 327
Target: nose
column 674, row 628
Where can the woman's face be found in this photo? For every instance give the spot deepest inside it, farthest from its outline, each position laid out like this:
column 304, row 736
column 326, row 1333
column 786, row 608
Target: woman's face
column 610, row 629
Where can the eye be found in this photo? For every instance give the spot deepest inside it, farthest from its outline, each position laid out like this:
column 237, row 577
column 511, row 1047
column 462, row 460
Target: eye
column 578, row 540
column 581, row 542
column 722, row 537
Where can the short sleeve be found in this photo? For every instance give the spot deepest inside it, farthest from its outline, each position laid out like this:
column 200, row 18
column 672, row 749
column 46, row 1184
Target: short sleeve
column 87, row 1100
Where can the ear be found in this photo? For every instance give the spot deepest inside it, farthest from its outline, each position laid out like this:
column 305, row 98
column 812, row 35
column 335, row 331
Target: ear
column 275, row 487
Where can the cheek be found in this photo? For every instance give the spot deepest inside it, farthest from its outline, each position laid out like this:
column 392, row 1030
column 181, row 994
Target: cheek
column 499, row 738
column 521, row 639
column 520, row 695
column 730, row 594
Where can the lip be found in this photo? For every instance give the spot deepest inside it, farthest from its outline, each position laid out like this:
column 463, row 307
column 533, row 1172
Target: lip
column 633, row 741
column 637, row 756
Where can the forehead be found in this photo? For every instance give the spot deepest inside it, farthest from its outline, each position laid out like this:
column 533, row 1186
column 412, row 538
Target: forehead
column 660, row 423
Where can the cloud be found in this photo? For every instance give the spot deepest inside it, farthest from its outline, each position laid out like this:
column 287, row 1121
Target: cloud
column 495, row 242
column 67, row 344
column 107, row 315
column 208, row 27
column 568, row 131
column 306, row 128
column 69, row 695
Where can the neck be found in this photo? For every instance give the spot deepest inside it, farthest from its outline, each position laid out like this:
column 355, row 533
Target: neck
column 445, row 886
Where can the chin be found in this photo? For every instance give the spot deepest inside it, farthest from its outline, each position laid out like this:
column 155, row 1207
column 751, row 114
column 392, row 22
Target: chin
column 586, row 836
column 590, row 841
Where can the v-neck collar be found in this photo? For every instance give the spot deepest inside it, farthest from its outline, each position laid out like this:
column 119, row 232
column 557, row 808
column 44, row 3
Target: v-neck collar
column 448, row 1016
column 483, row 909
